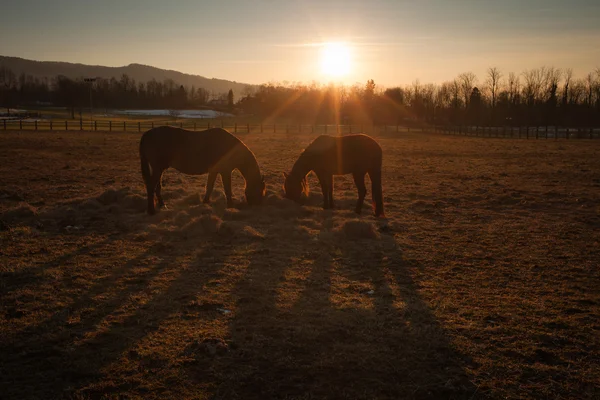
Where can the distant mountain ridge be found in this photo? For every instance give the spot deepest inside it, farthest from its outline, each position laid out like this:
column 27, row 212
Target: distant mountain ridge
column 139, row 72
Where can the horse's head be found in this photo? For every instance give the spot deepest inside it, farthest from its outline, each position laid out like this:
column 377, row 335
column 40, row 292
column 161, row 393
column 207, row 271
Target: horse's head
column 294, row 188
column 256, row 192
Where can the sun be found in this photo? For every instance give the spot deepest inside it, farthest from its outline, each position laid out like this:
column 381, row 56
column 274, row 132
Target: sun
column 335, row 59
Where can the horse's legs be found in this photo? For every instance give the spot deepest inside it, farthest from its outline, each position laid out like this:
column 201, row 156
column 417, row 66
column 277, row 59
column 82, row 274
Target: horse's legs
column 161, row 202
column 377, row 191
column 325, row 182
column 330, row 193
column 210, row 184
column 359, row 181
column 150, row 187
column 226, row 177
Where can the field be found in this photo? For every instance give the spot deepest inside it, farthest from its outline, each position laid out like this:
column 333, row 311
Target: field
column 483, row 281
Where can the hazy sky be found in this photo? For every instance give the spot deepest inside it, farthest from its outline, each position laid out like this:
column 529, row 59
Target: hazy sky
column 257, row 41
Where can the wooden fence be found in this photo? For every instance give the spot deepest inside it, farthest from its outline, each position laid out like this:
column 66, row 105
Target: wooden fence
column 523, row 132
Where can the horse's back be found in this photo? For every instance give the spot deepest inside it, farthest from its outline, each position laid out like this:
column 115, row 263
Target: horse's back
column 190, row 152
column 345, row 154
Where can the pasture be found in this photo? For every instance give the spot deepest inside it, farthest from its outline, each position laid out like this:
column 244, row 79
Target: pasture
column 482, row 282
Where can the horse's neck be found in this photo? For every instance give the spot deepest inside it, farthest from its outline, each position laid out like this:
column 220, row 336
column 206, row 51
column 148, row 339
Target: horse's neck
column 302, row 166
column 248, row 166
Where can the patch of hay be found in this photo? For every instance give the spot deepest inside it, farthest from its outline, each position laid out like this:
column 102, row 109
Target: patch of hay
column 90, row 204
column 239, row 230
column 21, row 212
column 200, row 209
column 250, row 232
column 182, row 218
column 192, row 199
column 205, row 224
column 112, row 196
column 357, row 229
column 135, row 202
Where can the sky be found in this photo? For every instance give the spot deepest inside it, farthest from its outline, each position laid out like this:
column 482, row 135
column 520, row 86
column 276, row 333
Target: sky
column 393, row 42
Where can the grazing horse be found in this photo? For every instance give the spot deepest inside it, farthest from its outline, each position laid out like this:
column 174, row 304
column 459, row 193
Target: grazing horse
column 328, row 156
column 213, row 151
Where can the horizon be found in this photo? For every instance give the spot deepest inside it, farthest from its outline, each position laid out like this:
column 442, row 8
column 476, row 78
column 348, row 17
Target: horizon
column 343, row 42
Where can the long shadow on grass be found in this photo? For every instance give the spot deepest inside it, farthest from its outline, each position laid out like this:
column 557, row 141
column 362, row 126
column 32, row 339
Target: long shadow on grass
column 73, row 348
column 336, row 319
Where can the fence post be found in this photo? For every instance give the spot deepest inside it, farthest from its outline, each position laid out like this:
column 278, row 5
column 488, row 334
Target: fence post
column 537, row 129
column 95, row 125
column 80, row 124
column 20, row 124
column 555, row 132
column 546, row 132
column 35, row 122
column 181, row 125
column 110, row 126
column 50, row 125
column 567, row 132
column 66, row 125
column 139, row 126
column 591, row 133
column 124, row 126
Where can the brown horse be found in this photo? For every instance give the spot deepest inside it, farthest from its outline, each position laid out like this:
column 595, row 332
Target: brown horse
column 213, row 151
column 328, row 156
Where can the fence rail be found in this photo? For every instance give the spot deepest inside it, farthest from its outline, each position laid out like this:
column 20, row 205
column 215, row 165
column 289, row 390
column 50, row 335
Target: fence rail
column 521, row 132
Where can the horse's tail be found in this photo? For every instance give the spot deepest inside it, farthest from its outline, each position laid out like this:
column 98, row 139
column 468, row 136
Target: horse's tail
column 377, row 190
column 146, row 172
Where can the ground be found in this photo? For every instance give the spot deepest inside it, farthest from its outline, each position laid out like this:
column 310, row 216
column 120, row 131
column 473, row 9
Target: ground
column 482, row 282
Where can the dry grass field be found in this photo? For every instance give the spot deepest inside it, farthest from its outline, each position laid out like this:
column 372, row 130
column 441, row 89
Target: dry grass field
column 483, row 281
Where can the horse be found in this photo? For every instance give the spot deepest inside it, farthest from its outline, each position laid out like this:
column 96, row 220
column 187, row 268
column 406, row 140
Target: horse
column 213, row 151
column 327, row 156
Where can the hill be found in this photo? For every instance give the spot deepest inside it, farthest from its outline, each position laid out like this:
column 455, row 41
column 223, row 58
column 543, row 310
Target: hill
column 139, row 72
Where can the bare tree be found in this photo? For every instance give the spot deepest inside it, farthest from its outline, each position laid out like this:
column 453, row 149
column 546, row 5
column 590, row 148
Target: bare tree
column 493, row 83
column 590, row 84
column 455, row 90
column 568, row 77
column 514, row 87
column 467, row 82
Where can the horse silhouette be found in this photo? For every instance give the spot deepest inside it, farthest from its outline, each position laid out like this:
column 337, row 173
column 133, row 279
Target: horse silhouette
column 338, row 155
column 213, row 151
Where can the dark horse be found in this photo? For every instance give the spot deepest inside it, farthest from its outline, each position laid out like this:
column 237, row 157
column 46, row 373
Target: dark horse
column 213, row 151
column 329, row 155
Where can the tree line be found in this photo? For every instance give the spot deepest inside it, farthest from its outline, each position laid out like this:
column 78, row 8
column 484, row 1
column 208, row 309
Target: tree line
column 539, row 96
column 125, row 92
